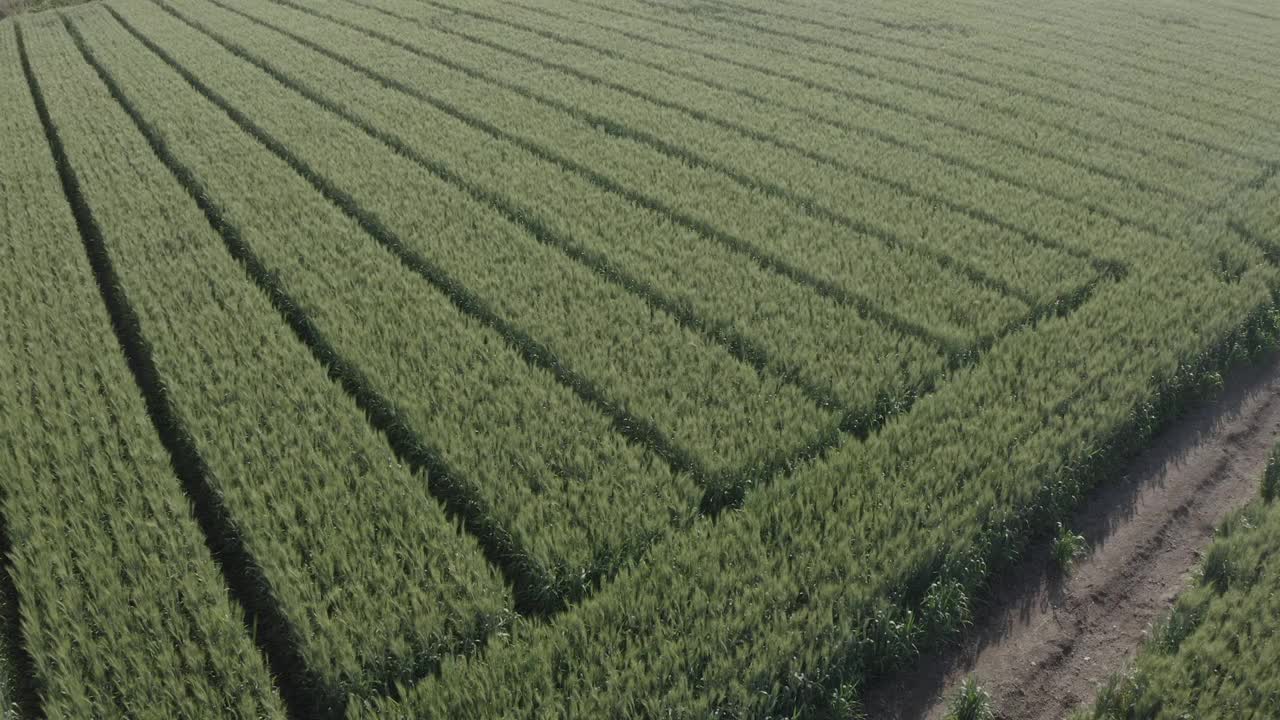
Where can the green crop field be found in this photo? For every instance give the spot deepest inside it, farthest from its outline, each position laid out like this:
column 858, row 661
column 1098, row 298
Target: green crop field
column 590, row 358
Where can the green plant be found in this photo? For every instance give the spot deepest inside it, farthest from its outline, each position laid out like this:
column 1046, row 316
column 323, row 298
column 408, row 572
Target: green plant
column 1067, row 547
column 946, row 608
column 971, row 702
column 1210, row 384
column 1271, row 476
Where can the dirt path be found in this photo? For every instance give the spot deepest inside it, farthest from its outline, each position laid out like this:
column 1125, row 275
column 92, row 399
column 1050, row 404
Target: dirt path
column 1041, row 644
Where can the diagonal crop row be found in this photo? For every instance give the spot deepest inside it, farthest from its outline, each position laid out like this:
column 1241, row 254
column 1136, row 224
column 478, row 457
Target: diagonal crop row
column 699, row 139
column 1249, row 14
column 724, row 417
column 1135, row 76
column 1102, row 64
column 737, row 112
column 940, row 80
column 531, row 468
column 1065, row 62
column 948, row 161
column 758, row 160
column 302, row 492
column 1130, row 40
column 1198, row 52
column 1238, row 27
column 1065, row 154
column 1149, row 94
column 1091, row 126
column 642, row 38
column 1079, row 228
column 851, row 361
column 556, row 496
column 1003, row 81
column 1229, row 23
column 952, row 340
column 1094, row 128
column 844, row 568
column 120, row 600
column 952, row 166
column 832, row 256
column 860, row 127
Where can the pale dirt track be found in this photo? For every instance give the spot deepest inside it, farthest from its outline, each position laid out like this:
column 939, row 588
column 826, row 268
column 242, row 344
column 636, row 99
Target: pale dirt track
column 1040, row 644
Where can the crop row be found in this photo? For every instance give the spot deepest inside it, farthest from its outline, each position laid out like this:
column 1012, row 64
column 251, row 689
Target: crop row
column 117, row 589
column 891, row 275
column 943, row 171
column 538, row 472
column 1096, row 125
column 844, row 567
column 886, row 210
column 1254, row 213
column 1061, row 68
column 742, row 135
column 776, row 74
column 1008, row 84
column 781, row 324
column 1121, row 68
column 988, row 255
column 849, row 139
column 1185, row 39
column 752, row 221
column 354, row 574
column 1215, row 655
column 950, row 166
column 926, row 25
column 717, row 412
column 1054, row 139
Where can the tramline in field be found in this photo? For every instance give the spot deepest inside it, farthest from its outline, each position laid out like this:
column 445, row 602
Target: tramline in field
column 589, row 358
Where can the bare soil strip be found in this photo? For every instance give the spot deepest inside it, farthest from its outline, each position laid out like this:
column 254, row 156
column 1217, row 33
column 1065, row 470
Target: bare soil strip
column 1042, row 643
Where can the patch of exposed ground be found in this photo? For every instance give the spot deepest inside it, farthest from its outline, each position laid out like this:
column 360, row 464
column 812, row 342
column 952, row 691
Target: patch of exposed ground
column 1042, row 643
